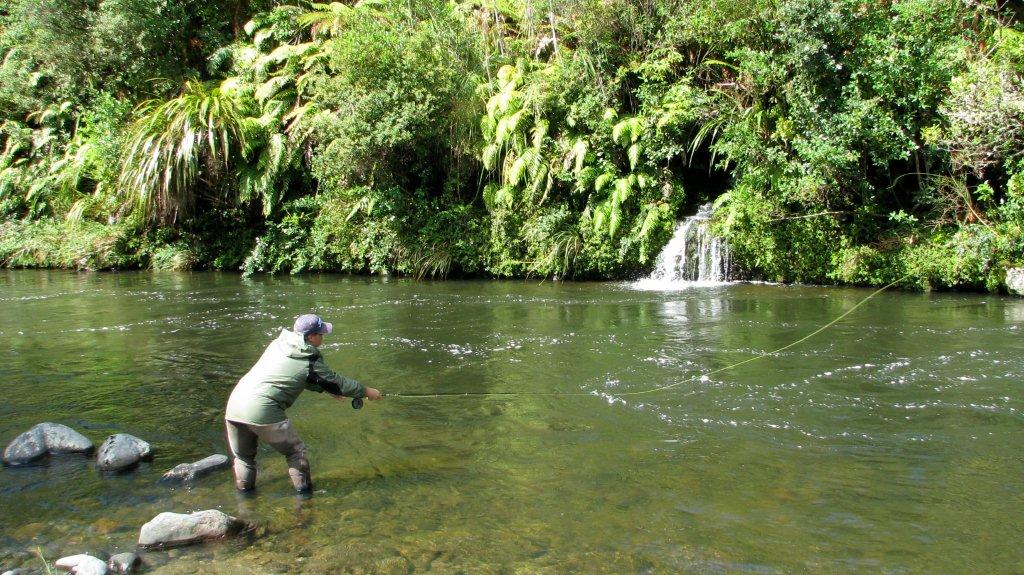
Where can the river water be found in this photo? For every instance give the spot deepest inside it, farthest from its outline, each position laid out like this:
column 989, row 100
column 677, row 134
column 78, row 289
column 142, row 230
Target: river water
column 890, row 443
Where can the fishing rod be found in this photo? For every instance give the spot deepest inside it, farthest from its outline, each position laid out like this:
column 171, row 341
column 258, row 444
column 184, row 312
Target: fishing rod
column 641, row 392
column 357, row 403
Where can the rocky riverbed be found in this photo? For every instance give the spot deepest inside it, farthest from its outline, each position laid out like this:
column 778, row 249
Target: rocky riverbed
column 120, row 453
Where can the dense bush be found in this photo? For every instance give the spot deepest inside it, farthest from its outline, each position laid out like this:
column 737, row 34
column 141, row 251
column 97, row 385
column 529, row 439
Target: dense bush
column 47, row 242
column 842, row 141
column 370, row 231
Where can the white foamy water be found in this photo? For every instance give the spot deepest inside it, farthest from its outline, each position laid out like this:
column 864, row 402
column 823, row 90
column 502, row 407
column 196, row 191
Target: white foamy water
column 694, row 257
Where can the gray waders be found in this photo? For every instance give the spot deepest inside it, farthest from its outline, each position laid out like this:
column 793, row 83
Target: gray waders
column 243, row 438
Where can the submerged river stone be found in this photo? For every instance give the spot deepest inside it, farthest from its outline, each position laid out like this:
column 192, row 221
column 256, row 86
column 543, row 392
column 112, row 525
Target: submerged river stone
column 45, row 438
column 121, row 451
column 174, row 529
column 188, row 472
column 124, row 563
column 82, row 565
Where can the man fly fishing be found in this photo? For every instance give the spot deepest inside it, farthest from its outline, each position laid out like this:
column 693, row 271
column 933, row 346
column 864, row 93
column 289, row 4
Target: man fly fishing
column 256, row 408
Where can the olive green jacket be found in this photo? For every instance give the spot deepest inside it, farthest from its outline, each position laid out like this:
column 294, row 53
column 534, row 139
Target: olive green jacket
column 277, row 379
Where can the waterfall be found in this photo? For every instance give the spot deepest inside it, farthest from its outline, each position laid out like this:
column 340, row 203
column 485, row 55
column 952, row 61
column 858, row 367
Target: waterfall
column 692, row 256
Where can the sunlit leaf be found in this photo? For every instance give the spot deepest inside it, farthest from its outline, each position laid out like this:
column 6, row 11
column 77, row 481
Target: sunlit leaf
column 614, row 220
column 579, row 154
column 633, row 153
column 490, row 156
column 540, row 130
column 507, row 74
column 271, row 87
column 515, row 174
column 601, row 181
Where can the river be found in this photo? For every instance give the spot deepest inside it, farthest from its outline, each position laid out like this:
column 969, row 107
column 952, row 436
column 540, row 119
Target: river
column 890, row 443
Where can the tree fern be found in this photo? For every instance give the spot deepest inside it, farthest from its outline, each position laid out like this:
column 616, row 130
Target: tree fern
column 578, row 155
column 326, row 19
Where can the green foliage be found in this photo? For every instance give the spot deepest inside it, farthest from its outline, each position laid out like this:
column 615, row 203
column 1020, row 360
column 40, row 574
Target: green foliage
column 968, row 258
column 841, row 141
column 46, row 564
column 345, row 231
column 90, row 167
column 43, row 44
column 985, row 116
column 47, row 242
column 564, row 186
column 776, row 246
column 181, row 145
column 396, row 102
column 32, row 181
column 129, row 40
column 69, row 50
column 174, row 256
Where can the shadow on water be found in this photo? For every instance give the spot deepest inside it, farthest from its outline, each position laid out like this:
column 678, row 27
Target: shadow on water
column 886, row 444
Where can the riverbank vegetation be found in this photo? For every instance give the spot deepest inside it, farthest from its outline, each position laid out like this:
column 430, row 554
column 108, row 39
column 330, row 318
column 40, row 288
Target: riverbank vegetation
column 841, row 142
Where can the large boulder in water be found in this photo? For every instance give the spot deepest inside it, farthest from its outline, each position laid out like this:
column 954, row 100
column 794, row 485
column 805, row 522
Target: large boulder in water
column 174, row 529
column 63, row 439
column 82, row 565
column 1015, row 280
column 188, row 472
column 27, row 447
column 121, row 451
column 45, row 438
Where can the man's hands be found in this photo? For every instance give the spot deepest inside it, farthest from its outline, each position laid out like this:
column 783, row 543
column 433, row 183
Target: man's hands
column 371, row 393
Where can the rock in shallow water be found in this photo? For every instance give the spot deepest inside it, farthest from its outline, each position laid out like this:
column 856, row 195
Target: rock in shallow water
column 27, row 447
column 62, row 439
column 124, row 563
column 121, row 451
column 45, row 438
column 187, row 472
column 82, row 565
column 174, row 529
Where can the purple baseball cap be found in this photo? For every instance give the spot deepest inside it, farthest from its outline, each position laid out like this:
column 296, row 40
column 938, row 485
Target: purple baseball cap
column 311, row 323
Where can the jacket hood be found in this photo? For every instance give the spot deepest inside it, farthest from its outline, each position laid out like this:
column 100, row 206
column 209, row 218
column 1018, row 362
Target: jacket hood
column 294, row 345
